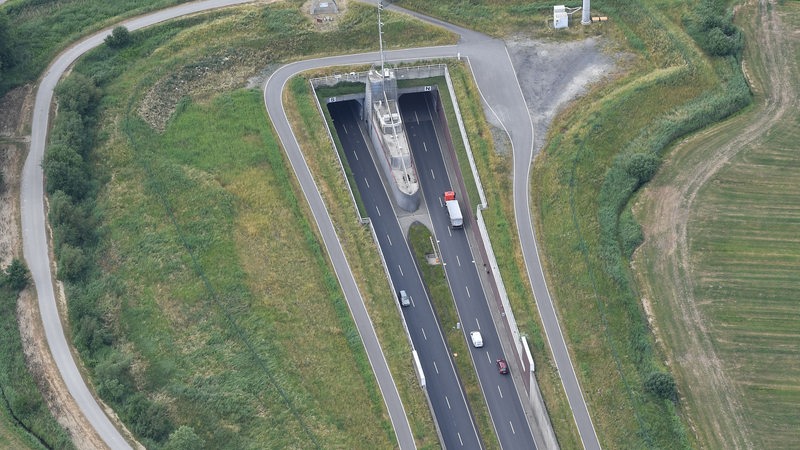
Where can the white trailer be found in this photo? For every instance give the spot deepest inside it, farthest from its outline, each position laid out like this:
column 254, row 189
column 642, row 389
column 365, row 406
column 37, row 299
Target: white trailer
column 453, row 210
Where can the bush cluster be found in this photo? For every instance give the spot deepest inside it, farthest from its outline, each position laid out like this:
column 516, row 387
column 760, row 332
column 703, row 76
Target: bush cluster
column 68, row 176
column 713, row 30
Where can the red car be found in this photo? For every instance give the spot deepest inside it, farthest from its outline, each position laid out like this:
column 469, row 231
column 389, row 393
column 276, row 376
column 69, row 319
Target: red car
column 502, row 366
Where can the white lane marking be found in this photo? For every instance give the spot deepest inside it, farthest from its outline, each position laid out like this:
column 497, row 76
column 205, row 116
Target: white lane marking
column 488, row 357
column 512, row 427
column 458, row 260
column 425, row 146
column 432, row 174
column 366, row 181
column 467, row 287
column 459, row 438
column 449, row 231
column 378, row 209
column 436, row 367
column 424, row 336
column 402, row 274
column 448, row 402
column 345, row 129
column 440, row 202
column 501, row 396
column 413, row 304
column 389, row 239
column 478, row 323
column 355, row 154
column 417, row 117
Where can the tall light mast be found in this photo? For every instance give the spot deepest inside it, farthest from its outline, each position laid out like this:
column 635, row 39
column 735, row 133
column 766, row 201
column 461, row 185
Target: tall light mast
column 586, row 17
column 380, row 35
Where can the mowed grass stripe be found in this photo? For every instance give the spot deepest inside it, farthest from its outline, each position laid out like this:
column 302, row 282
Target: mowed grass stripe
column 745, row 244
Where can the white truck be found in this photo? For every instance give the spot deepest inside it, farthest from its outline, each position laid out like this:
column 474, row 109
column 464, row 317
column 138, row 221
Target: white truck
column 453, row 209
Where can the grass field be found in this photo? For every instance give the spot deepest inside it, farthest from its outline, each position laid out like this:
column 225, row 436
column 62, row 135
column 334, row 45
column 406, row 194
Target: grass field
column 741, row 255
column 207, row 261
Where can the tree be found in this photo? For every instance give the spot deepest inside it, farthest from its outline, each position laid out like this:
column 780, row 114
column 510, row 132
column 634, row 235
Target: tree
column 7, row 44
column 65, row 170
column 77, row 93
column 17, row 275
column 71, row 263
column 184, row 438
column 641, row 166
column 662, row 385
column 119, row 37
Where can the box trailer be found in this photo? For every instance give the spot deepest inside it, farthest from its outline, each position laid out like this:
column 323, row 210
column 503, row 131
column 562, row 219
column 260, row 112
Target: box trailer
column 453, row 210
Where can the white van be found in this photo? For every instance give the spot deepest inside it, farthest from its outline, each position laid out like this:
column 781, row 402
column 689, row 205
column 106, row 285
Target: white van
column 477, row 339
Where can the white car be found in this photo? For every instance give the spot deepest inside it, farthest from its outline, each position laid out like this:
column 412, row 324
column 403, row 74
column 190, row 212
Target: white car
column 477, row 339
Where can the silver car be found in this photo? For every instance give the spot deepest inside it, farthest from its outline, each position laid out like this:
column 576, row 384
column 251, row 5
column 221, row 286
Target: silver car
column 404, row 299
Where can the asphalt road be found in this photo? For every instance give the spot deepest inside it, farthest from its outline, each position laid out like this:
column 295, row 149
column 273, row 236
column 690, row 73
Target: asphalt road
column 500, row 90
column 502, row 398
column 454, row 419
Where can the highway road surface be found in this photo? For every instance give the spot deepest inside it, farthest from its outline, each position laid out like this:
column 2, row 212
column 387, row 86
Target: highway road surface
column 502, row 398
column 500, row 90
column 454, row 419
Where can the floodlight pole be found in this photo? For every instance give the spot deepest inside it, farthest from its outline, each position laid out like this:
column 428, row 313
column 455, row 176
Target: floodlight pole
column 586, row 16
column 380, row 34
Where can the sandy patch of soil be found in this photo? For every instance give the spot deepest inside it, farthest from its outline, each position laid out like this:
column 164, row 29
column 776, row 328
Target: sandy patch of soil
column 552, row 74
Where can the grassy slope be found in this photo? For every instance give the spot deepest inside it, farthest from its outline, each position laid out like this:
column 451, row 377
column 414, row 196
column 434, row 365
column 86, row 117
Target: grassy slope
column 213, row 263
column 744, row 257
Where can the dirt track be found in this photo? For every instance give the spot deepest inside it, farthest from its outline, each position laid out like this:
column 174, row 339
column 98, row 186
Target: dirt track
column 667, row 205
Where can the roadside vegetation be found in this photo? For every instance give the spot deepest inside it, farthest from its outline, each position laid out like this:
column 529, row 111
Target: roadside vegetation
column 199, row 296
column 26, row 422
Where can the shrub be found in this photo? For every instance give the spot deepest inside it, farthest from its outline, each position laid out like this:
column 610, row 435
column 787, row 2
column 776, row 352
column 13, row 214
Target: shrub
column 119, row 37
column 77, row 93
column 184, row 438
column 713, row 29
column 641, row 166
column 72, row 263
column 65, row 171
column 662, row 385
column 17, row 275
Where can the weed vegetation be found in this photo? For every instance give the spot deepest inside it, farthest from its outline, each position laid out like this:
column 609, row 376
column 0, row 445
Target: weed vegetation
column 199, row 296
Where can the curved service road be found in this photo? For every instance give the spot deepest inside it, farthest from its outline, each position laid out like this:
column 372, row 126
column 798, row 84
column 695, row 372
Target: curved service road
column 34, row 238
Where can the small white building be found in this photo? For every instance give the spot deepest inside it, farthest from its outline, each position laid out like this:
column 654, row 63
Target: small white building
column 560, row 17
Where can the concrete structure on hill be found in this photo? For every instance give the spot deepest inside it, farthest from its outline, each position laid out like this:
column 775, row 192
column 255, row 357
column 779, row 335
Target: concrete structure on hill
column 388, row 136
